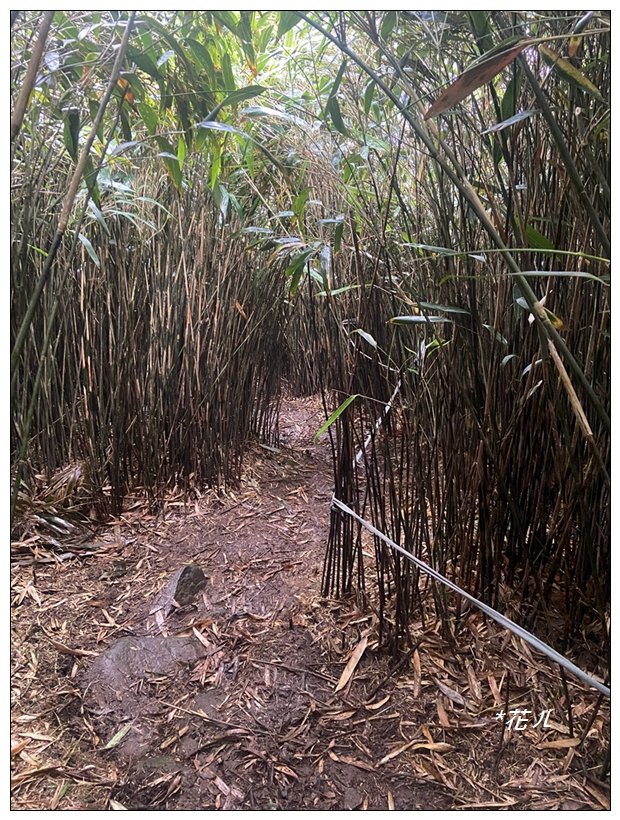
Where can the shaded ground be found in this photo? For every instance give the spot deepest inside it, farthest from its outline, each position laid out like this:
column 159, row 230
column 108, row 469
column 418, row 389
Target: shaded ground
column 250, row 717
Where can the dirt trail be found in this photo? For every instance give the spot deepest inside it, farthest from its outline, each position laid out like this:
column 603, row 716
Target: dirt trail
column 255, row 723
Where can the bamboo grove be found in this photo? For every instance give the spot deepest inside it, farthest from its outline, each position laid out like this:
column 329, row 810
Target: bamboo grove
column 405, row 211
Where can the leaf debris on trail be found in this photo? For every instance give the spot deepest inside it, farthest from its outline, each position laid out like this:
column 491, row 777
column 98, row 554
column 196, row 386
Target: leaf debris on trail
column 282, row 710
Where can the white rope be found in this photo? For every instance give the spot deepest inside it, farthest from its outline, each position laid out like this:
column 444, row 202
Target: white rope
column 492, row 613
column 380, row 420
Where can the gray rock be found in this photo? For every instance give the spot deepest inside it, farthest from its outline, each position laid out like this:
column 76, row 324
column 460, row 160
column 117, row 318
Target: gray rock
column 181, row 589
column 116, row 672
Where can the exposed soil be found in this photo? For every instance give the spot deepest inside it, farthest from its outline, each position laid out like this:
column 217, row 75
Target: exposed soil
column 249, row 718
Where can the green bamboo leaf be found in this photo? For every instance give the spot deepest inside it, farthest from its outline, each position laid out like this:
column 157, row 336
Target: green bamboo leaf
column 298, row 261
column 288, row 19
column 228, row 19
column 123, row 146
column 71, row 132
column 568, row 72
column 538, row 240
column 335, row 415
column 118, row 736
column 89, row 249
column 149, row 117
column 388, row 23
column 263, row 111
column 482, row 29
column 237, row 96
column 299, row 203
column 227, row 74
column 575, row 42
column 165, row 57
column 98, row 216
column 338, row 236
column 90, row 178
column 174, row 45
column 203, row 57
column 213, row 125
column 368, row 95
column 576, row 274
column 333, row 109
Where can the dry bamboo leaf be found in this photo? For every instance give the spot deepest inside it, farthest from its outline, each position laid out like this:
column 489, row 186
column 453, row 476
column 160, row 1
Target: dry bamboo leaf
column 333, row 756
column 570, row 754
column 36, row 736
column 494, row 689
column 395, row 753
column 433, row 747
column 223, row 787
column 564, row 743
column 19, row 746
column 201, row 638
column 390, row 801
column 22, row 777
column 474, row 683
column 341, row 715
column 359, row 764
column 67, row 650
column 379, row 704
column 489, row 805
column 352, row 664
column 598, row 795
column 451, row 693
column 443, row 716
column 471, row 79
column 280, row 767
column 116, row 806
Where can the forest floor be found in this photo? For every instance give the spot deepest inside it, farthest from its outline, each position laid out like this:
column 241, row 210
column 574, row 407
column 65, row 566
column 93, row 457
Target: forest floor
column 256, row 721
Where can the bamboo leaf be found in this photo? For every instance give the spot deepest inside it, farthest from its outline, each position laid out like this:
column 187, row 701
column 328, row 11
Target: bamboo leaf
column 522, row 115
column 237, row 96
column 367, row 337
column 116, row 806
column 72, row 132
column 475, row 76
column 388, row 23
column 575, row 42
column 537, row 239
column 118, row 736
column 227, row 74
column 333, row 109
column 353, row 662
column 445, row 308
column 299, row 202
column 288, row 19
column 335, row 415
column 416, row 320
column 89, row 249
column 149, row 117
column 368, row 95
column 214, row 125
column 568, row 72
